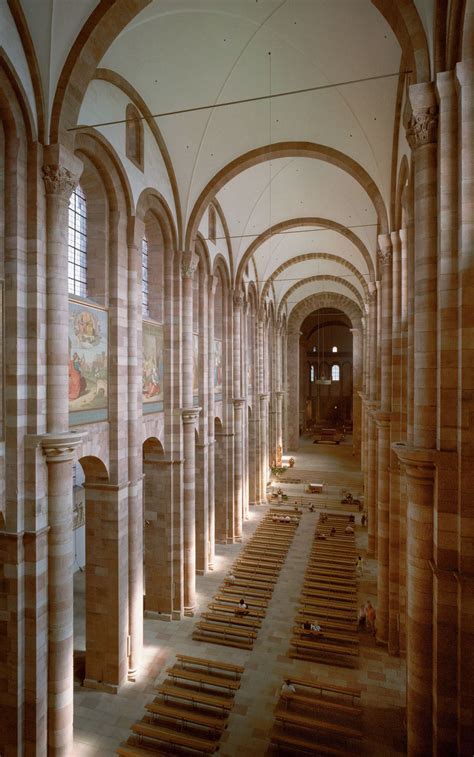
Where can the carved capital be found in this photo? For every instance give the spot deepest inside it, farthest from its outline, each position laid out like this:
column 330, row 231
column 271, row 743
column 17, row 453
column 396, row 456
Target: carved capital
column 190, row 414
column 59, row 181
column 238, row 403
column 423, row 127
column 59, row 448
column 213, row 282
column 372, row 296
column 238, row 299
column 189, row 264
column 385, row 249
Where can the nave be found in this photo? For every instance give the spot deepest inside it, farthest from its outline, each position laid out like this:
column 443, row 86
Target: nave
column 102, row 722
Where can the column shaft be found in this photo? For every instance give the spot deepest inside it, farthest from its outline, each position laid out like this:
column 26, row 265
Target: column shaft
column 383, row 447
column 189, row 415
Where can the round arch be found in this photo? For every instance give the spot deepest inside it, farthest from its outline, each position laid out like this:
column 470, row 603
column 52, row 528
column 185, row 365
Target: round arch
column 324, row 300
column 101, row 28
column 292, row 223
column 313, row 256
column 404, row 20
column 320, row 277
column 277, row 151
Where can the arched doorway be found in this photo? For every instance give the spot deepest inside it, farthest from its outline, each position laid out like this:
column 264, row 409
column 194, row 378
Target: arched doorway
column 101, row 627
column 157, row 528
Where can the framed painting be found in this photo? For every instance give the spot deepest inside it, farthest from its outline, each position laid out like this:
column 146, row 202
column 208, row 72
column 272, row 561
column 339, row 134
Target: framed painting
column 218, row 368
column 152, row 367
column 195, row 365
column 88, row 363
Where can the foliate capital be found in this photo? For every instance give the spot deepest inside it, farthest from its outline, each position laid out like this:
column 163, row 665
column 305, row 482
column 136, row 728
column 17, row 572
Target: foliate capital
column 385, row 249
column 372, row 297
column 423, row 127
column 59, row 180
column 238, row 299
column 213, row 282
column 189, row 264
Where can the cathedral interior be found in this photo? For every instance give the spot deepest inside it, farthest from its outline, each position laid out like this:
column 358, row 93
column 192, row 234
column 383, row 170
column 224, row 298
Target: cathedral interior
column 237, row 400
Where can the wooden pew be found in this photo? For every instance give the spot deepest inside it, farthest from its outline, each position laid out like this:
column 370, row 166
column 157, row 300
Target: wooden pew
column 287, row 740
column 337, row 624
column 325, row 612
column 228, row 667
column 330, row 592
column 220, row 617
column 255, row 602
column 230, row 609
column 244, row 590
column 265, row 562
column 306, row 699
column 340, row 589
column 305, row 721
column 264, row 579
column 259, row 570
column 154, row 732
column 183, row 715
column 321, row 646
column 354, row 692
column 327, row 633
column 330, row 577
column 196, row 697
column 203, row 679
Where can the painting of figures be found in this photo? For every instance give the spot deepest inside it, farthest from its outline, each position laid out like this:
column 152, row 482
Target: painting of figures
column 88, row 367
column 152, row 368
column 217, row 366
column 195, row 365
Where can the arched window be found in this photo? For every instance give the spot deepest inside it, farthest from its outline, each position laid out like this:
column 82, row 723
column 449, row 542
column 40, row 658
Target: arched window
column 311, row 374
column 77, row 243
column 212, row 224
column 134, row 136
column 145, row 299
column 335, row 373
column 334, row 349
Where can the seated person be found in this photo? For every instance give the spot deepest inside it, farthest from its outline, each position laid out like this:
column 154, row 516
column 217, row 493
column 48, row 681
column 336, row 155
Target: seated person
column 348, row 529
column 333, row 531
column 287, row 519
column 314, row 629
column 312, row 508
column 230, row 578
column 242, row 608
column 287, row 687
column 320, row 535
column 351, row 518
column 323, row 517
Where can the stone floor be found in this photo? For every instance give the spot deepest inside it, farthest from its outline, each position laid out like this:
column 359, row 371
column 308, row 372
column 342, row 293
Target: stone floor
column 102, row 721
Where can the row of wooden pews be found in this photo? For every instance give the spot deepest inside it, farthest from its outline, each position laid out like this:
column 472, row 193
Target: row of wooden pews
column 317, row 718
column 255, row 573
column 329, row 597
column 190, row 711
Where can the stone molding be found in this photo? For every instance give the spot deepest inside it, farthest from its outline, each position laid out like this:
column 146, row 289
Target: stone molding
column 190, row 414
column 421, row 458
column 382, row 419
column 189, row 264
column 423, row 127
column 58, row 448
column 239, row 402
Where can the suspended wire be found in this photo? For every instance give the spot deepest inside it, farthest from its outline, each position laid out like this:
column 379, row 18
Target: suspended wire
column 294, row 231
column 230, row 103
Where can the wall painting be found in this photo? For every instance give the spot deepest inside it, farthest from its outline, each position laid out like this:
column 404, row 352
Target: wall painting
column 152, row 368
column 218, row 369
column 88, row 364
